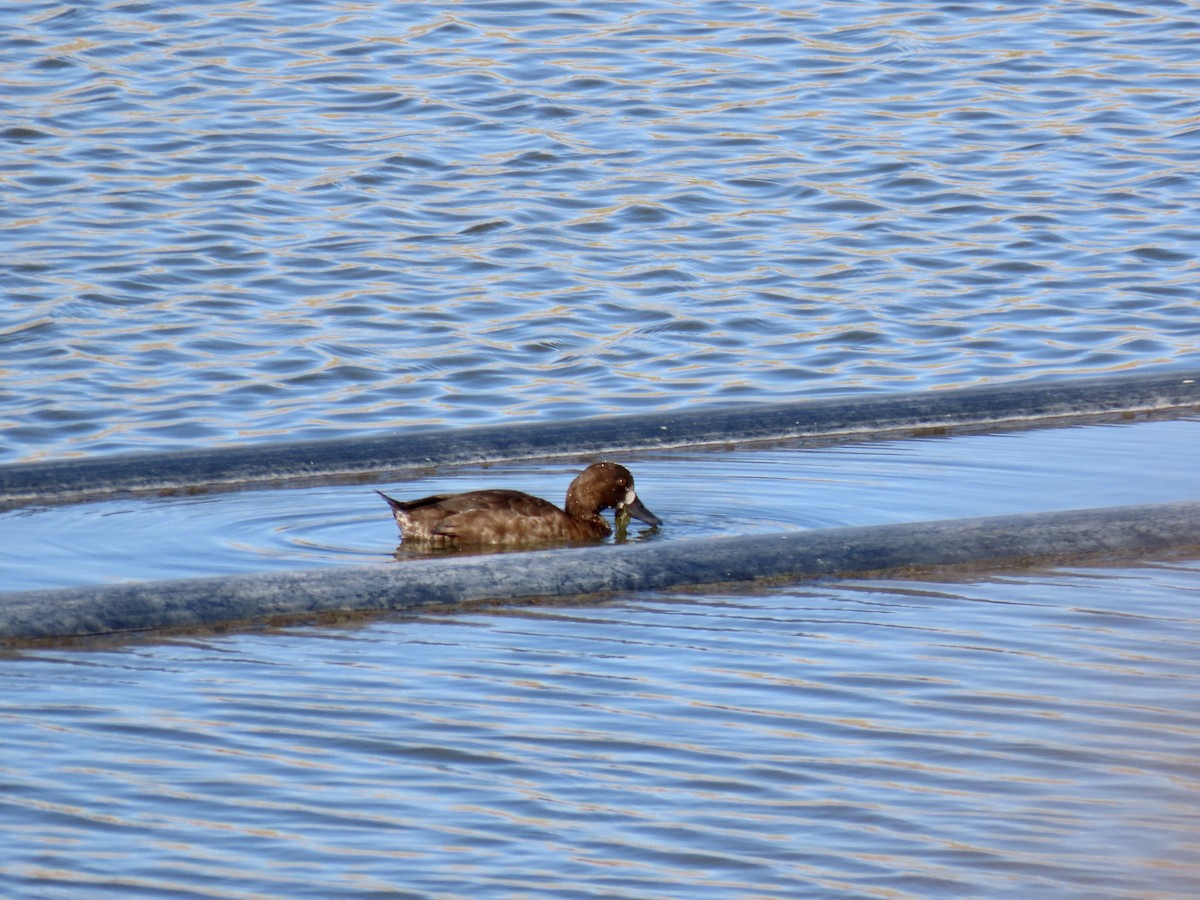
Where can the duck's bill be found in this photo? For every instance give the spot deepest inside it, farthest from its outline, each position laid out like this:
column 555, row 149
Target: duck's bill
column 639, row 512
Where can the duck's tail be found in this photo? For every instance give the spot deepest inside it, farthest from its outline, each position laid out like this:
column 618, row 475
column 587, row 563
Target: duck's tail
column 395, row 504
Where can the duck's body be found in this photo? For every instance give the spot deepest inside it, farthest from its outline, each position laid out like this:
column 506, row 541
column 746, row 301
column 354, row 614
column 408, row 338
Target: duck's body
column 512, row 517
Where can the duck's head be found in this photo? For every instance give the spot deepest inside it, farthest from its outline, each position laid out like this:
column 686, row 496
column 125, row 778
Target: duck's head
column 606, row 485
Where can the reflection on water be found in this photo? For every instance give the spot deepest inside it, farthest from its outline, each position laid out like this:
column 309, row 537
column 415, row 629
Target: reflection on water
column 1029, row 734
column 230, row 223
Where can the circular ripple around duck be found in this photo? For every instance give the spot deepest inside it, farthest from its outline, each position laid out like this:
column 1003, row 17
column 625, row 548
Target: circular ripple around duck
column 698, row 494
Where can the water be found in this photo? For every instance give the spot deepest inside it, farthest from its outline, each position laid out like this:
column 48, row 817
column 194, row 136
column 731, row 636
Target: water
column 230, row 222
column 698, row 494
column 1030, row 733
column 237, row 222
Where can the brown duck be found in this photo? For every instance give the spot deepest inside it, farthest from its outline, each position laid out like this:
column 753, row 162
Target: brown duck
column 512, row 517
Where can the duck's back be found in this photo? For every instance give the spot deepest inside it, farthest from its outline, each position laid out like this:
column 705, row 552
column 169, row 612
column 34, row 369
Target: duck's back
column 489, row 517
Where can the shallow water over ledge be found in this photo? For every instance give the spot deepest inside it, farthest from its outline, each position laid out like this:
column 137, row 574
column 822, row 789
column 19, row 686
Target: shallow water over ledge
column 699, row 494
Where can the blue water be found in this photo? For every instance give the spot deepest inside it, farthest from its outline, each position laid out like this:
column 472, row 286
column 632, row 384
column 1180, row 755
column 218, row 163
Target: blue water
column 699, row 494
column 253, row 221
column 231, row 222
column 1027, row 734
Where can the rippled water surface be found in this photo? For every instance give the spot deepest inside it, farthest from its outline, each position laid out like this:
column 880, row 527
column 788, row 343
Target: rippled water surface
column 698, row 494
column 248, row 221
column 1028, row 735
column 1024, row 732
column 239, row 221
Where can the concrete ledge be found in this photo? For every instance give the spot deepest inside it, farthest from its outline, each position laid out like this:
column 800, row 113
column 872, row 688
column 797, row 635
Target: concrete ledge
column 509, row 577
column 393, row 456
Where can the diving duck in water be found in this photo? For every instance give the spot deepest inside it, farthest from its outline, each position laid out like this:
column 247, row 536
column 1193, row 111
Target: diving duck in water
column 511, row 517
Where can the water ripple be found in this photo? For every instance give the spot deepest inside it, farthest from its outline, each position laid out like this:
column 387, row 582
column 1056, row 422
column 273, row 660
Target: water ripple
column 370, row 198
column 698, row 494
column 1028, row 733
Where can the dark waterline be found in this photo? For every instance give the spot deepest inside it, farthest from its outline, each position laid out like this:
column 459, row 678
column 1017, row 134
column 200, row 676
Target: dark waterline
column 1123, row 532
column 228, row 224
column 372, row 457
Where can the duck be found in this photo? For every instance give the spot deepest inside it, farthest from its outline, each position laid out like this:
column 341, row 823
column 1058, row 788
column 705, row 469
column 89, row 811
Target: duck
column 513, row 517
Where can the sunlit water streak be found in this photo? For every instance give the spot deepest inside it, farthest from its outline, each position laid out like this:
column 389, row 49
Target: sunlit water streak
column 237, row 222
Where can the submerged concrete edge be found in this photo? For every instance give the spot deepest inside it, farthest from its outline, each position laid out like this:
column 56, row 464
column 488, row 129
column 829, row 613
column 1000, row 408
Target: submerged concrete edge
column 393, row 455
column 606, row 569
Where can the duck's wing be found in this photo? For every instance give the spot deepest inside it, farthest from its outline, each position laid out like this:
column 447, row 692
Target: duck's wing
column 498, row 517
column 512, row 503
